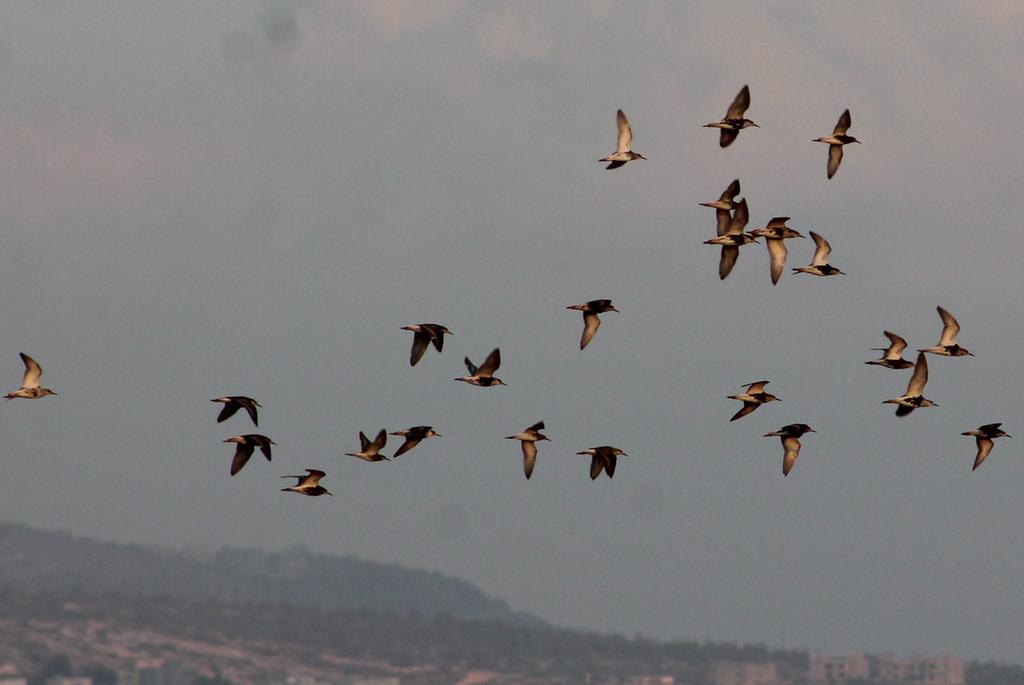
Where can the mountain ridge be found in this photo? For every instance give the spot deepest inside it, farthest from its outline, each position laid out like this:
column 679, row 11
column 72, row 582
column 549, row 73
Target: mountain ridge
column 59, row 561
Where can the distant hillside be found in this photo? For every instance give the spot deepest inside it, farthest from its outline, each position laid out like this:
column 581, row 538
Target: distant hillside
column 53, row 561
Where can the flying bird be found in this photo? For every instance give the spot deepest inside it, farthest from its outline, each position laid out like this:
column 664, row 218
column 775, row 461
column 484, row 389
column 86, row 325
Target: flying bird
column 733, row 122
column 30, row 389
column 413, row 436
column 247, row 444
column 753, row 398
column 591, row 322
column 603, row 458
column 232, row 403
column 836, row 141
column 370, row 451
column 483, row 375
column 528, row 439
column 622, row 152
column 790, row 436
column 947, row 345
column 723, row 205
column 984, row 436
column 308, row 484
column 819, row 265
column 893, row 357
column 424, row 334
column 732, row 239
column 774, row 234
column 914, row 398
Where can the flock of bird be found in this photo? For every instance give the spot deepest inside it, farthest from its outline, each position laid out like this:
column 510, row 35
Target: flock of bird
column 732, row 216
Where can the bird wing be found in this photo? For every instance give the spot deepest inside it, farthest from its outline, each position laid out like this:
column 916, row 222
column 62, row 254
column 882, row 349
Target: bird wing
column 777, row 251
column 313, row 478
column 610, row 461
column 228, row 411
column 842, row 124
column 596, row 466
column 615, row 165
column 490, row 364
column 591, row 322
column 33, row 372
column 821, row 250
column 722, row 220
column 754, row 388
column 792, row 450
column 732, row 191
column 949, row 329
column 896, row 348
column 529, row 457
column 364, row 441
column 378, row 442
column 835, row 156
column 726, row 136
column 739, row 104
column 470, row 366
column 984, row 448
column 250, row 408
column 747, row 408
column 739, row 218
column 242, row 454
column 915, row 387
column 625, row 133
column 778, row 222
column 730, row 254
column 420, row 340
column 437, row 337
column 406, row 446
column 265, row 448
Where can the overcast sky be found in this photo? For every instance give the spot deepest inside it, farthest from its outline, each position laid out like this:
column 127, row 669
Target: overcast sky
column 252, row 198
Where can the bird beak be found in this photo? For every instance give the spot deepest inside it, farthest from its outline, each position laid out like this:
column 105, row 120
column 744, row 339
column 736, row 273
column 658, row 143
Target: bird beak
column 811, row 430
column 611, row 308
column 754, row 125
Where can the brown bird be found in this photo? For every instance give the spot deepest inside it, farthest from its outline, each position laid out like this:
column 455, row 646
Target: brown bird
column 30, row 389
column 753, row 398
column 483, row 375
column 246, row 445
column 528, row 439
column 790, row 435
column 947, row 345
column 623, row 153
column 232, row 403
column 836, row 141
column 723, row 205
column 893, row 355
column 984, row 436
column 370, row 451
column 413, row 436
column 914, row 397
column 603, row 458
column 733, row 122
column 423, row 335
column 308, row 484
column 591, row 322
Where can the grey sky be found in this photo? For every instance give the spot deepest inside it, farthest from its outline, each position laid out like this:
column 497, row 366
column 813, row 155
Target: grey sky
column 251, row 198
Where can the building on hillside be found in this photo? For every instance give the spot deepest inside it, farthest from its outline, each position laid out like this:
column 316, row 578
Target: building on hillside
column 836, row 670
column 651, row 680
column 822, row 668
column 745, row 673
column 934, row 670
